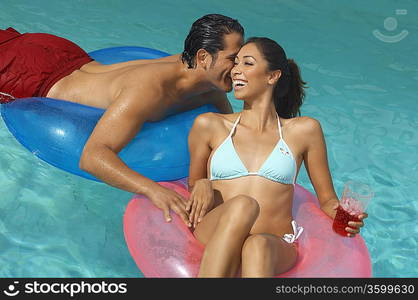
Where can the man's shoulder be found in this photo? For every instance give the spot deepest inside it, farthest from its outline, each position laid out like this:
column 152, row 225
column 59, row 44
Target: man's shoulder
column 145, row 80
column 141, row 99
column 152, row 72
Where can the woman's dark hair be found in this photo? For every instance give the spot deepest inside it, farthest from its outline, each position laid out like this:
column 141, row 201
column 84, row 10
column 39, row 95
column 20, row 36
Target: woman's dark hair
column 289, row 91
column 208, row 33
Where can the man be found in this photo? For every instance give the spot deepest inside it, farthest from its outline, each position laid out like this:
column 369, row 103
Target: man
column 131, row 92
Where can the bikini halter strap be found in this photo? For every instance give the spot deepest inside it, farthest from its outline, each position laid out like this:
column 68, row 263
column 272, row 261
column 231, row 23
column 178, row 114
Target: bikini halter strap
column 280, row 126
column 235, row 125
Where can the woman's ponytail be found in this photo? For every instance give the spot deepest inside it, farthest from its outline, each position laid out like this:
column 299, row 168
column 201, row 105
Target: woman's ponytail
column 289, row 92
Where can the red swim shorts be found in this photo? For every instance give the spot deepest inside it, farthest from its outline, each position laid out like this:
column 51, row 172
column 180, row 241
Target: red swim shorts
column 31, row 63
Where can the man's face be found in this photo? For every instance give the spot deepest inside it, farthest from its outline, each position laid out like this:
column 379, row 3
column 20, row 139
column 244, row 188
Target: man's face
column 220, row 70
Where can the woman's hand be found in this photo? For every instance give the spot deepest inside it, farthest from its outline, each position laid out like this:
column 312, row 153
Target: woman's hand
column 201, row 200
column 354, row 227
column 330, row 208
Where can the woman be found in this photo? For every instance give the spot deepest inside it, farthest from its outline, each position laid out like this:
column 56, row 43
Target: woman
column 244, row 166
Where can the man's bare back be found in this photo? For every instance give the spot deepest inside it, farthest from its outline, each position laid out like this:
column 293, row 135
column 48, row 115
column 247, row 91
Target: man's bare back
column 100, row 85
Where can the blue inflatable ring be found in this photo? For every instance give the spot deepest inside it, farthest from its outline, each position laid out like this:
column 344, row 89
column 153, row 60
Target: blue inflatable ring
column 56, row 130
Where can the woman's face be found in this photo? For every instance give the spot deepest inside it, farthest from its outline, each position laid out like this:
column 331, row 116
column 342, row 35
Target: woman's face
column 250, row 75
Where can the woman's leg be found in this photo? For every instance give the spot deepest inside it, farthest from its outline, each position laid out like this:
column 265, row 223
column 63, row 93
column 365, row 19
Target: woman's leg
column 224, row 230
column 266, row 255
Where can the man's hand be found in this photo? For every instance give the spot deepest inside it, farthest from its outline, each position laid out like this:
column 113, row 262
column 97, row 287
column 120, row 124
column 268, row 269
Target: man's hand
column 167, row 199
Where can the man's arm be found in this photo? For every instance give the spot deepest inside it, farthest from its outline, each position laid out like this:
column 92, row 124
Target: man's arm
column 117, row 127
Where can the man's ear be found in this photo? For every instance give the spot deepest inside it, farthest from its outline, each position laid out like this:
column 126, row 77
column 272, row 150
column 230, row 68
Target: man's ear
column 203, row 58
column 274, row 76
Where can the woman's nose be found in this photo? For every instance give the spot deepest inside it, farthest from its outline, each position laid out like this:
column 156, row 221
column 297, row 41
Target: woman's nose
column 235, row 70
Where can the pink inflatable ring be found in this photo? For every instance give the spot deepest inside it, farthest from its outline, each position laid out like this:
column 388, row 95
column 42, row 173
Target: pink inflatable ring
column 162, row 249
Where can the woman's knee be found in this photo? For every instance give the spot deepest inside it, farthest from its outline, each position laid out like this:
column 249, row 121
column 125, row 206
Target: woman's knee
column 242, row 207
column 259, row 245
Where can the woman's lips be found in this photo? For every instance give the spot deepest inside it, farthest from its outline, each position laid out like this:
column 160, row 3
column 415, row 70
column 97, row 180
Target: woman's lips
column 239, row 84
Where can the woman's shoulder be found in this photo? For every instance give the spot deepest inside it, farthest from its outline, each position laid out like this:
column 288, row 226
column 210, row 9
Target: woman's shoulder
column 212, row 120
column 304, row 124
column 304, row 127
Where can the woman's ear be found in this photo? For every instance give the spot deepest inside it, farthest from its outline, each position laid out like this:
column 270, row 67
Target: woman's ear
column 274, row 76
column 203, row 58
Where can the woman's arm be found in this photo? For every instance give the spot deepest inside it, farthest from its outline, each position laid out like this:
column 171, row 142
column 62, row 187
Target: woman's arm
column 201, row 198
column 316, row 164
column 199, row 148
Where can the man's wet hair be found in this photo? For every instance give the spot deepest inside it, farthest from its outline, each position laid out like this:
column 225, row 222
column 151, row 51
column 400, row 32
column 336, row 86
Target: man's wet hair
column 208, row 33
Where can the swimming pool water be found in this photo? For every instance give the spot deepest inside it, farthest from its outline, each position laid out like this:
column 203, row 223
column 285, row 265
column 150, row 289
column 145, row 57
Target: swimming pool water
column 362, row 88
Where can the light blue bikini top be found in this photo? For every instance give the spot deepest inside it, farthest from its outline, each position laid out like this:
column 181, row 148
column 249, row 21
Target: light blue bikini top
column 280, row 166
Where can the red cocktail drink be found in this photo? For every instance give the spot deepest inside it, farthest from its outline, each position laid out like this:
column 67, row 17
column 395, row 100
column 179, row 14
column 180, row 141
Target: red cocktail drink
column 354, row 200
column 341, row 220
